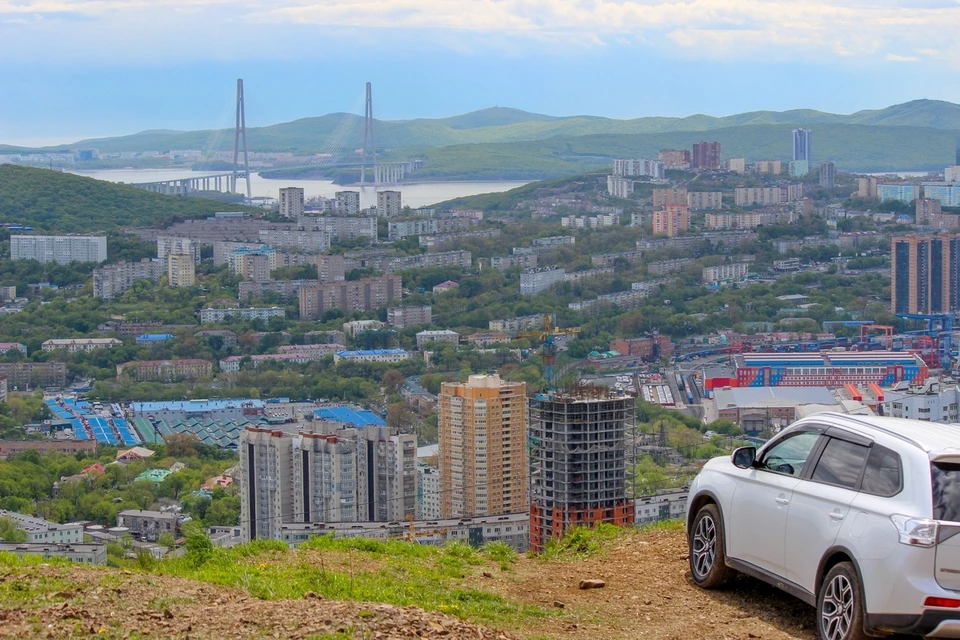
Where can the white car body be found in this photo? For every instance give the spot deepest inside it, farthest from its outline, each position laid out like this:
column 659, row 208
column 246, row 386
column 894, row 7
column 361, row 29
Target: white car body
column 789, row 527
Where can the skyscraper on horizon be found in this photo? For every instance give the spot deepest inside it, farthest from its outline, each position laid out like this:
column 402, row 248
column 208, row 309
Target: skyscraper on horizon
column 801, row 145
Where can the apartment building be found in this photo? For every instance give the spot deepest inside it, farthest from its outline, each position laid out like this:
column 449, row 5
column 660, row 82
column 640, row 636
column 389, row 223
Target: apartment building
column 444, row 336
column 365, row 294
column 240, row 314
column 867, row 187
column 23, row 375
column 674, row 158
column 698, row 200
column 181, row 270
column 619, row 187
column 347, row 202
column 522, row 260
column 254, row 265
column 628, row 167
column 296, row 239
column 706, row 155
column 554, row 241
column 948, row 193
column 768, row 166
column 175, row 245
column 736, row 165
column 291, row 202
column 726, row 273
column 59, row 249
column 672, row 220
column 43, row 531
column 389, row 204
column 331, row 268
column 251, row 289
column 669, row 196
column 483, row 458
column 925, row 274
column 379, row 260
column 76, row 345
column 166, row 370
column 372, row 355
column 749, row 196
column 112, row 280
column 747, row 219
column 647, row 348
column 403, row 317
column 400, row 229
column 928, row 210
column 533, row 281
column 328, row 472
column 521, row 323
column 902, row 192
column 149, row 525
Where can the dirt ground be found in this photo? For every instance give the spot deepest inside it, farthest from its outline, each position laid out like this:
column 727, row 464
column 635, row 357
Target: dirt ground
column 648, row 594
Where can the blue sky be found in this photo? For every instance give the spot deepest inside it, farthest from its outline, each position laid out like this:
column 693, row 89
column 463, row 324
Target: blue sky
column 79, row 68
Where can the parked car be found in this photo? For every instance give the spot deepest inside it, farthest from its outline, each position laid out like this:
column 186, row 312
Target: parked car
column 858, row 516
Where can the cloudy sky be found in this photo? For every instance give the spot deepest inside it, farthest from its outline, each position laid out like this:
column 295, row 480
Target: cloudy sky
column 78, row 68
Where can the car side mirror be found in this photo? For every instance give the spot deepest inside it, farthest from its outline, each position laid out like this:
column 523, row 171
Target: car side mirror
column 745, row 457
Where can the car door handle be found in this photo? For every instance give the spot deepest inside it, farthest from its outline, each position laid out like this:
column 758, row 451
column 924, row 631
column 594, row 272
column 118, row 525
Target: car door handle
column 836, row 515
column 783, row 501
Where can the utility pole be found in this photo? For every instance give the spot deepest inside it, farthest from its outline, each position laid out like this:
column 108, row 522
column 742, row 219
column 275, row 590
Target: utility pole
column 240, row 131
column 369, row 146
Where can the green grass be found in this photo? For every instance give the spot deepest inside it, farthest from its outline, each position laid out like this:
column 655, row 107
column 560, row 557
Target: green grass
column 581, row 542
column 20, row 588
column 392, row 572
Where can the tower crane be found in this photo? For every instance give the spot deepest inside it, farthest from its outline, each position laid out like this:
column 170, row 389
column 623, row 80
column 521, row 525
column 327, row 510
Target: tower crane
column 547, row 335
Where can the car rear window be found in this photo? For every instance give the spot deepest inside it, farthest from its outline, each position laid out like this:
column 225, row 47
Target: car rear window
column 946, row 491
column 841, row 463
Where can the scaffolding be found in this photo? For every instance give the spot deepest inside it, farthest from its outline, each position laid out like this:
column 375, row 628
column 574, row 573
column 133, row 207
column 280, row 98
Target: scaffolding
column 581, row 460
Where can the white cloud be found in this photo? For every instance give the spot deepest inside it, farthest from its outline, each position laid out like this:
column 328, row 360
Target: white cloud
column 794, row 30
column 893, row 57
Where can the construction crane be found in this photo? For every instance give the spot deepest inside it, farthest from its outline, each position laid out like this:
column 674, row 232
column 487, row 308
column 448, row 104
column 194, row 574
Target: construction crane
column 546, row 336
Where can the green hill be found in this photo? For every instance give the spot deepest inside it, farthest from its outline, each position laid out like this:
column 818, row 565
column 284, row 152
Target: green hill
column 63, row 202
column 501, row 124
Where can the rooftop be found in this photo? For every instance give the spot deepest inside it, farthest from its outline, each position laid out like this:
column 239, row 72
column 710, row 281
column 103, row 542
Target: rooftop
column 31, row 524
column 372, row 352
column 197, row 406
column 747, row 396
column 349, row 415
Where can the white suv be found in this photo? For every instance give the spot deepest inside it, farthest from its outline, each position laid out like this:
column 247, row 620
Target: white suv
column 858, row 516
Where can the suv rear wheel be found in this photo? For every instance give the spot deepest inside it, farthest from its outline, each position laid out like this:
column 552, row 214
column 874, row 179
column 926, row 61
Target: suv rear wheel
column 840, row 605
column 707, row 558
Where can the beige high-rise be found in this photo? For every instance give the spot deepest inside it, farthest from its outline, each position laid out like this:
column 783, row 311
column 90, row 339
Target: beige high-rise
column 483, row 455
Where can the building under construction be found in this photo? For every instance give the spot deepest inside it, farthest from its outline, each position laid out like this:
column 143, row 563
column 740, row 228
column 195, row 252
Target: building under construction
column 578, row 461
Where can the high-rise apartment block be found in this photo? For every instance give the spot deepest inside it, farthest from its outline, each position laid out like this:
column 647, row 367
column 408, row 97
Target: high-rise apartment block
column 748, row 196
column 328, row 472
column 169, row 245
column 483, row 454
column 672, row 220
column 675, row 158
column 799, row 168
column 867, row 187
column 303, row 240
column 113, row 279
column 342, row 227
column 630, row 167
column 389, row 204
column 291, row 202
column 828, row 175
column 699, row 200
column 706, row 155
column 331, row 268
column 254, row 265
column 948, row 193
column 664, row 197
column 927, row 210
column 348, row 202
column 619, row 187
column 902, row 191
column 951, row 174
column 925, row 274
column 578, row 461
column 801, row 145
column 768, row 166
column 59, row 249
column 181, row 270
column 366, row 294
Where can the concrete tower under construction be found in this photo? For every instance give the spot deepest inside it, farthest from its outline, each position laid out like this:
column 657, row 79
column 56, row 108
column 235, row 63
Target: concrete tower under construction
column 578, row 461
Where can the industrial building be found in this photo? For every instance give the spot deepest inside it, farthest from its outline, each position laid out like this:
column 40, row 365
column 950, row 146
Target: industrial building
column 483, row 457
column 828, row 369
column 578, row 461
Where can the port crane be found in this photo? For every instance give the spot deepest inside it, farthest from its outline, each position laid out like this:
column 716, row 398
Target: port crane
column 547, row 336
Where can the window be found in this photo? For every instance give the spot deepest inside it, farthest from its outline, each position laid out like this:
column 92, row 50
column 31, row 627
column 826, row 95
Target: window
column 841, row 463
column 790, row 454
column 946, row 491
column 883, row 475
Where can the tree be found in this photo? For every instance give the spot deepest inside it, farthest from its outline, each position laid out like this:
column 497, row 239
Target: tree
column 392, row 381
column 9, row 531
column 401, row 417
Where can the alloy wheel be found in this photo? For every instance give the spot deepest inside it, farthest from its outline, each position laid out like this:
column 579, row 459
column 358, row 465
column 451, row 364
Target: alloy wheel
column 836, row 618
column 704, row 546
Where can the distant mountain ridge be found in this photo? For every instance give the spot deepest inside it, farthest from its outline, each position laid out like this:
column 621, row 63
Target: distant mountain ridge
column 503, row 124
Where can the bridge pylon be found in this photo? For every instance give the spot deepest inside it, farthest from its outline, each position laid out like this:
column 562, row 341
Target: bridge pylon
column 240, row 133
column 369, row 146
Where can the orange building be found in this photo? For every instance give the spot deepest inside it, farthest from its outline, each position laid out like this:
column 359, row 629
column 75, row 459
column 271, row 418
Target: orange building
column 483, row 456
column 672, row 220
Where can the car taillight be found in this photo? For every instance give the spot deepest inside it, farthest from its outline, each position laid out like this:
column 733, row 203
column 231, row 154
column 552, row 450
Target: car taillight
column 945, row 603
column 916, row 532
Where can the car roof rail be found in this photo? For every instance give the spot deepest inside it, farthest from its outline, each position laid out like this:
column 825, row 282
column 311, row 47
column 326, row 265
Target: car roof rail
column 866, row 423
